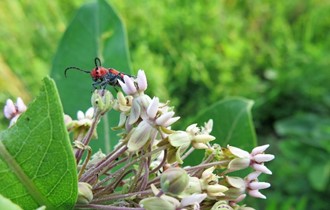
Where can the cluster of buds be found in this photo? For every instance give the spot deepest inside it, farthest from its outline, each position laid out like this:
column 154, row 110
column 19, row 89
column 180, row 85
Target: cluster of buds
column 145, row 169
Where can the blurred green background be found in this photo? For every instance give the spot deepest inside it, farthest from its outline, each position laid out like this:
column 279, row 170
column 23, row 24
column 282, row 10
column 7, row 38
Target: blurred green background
column 198, row 52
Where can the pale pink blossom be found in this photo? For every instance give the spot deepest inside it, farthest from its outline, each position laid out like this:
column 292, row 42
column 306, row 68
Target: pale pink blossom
column 13, row 111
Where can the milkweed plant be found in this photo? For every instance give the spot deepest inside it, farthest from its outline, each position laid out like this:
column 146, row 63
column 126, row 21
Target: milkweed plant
column 146, row 169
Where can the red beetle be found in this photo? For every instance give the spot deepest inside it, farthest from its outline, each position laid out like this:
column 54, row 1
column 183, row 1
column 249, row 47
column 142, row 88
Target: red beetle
column 102, row 76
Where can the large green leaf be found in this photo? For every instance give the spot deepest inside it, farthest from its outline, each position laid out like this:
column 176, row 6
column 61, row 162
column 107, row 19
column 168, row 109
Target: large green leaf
column 96, row 31
column 37, row 166
column 232, row 124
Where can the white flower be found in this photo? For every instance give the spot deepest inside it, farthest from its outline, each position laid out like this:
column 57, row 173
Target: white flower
column 85, row 118
column 129, row 86
column 199, row 138
column 13, row 111
column 83, row 122
column 256, row 159
column 147, row 129
column 253, row 185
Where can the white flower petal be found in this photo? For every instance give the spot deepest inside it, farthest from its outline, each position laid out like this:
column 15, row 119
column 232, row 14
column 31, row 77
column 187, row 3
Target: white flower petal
column 262, row 168
column 260, row 158
column 179, row 138
column 256, row 194
column 153, row 107
column 128, row 87
column 253, row 175
column 67, row 119
column 238, row 164
column 142, row 80
column 9, row 109
column 139, row 137
column 259, row 185
column 21, row 107
column 13, row 120
column 259, row 149
column 89, row 113
column 80, row 115
column 164, row 118
column 192, row 199
column 192, row 128
column 203, row 138
column 238, row 152
column 171, row 121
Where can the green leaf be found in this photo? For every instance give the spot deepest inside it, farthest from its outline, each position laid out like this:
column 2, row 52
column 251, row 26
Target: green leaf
column 307, row 128
column 232, row 122
column 319, row 175
column 37, row 166
column 96, row 31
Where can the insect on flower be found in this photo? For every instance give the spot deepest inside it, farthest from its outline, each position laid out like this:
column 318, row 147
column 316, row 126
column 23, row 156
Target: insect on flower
column 102, row 76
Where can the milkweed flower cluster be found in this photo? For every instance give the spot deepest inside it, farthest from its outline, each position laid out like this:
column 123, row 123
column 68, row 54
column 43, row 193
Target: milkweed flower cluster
column 145, row 170
column 13, row 111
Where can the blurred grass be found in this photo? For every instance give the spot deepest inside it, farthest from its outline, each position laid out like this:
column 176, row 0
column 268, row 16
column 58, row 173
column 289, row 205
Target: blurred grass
column 197, row 52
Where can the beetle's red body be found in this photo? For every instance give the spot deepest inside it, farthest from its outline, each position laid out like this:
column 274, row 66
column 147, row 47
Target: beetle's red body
column 102, row 76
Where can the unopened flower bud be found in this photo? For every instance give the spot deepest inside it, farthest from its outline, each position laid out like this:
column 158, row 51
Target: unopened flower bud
column 156, row 203
column 194, row 186
column 85, row 194
column 102, row 100
column 216, row 190
column 174, row 180
column 221, row 205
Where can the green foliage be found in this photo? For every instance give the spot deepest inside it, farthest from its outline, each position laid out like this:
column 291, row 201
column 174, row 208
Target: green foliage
column 37, row 163
column 30, row 33
column 273, row 52
column 233, row 116
column 302, row 168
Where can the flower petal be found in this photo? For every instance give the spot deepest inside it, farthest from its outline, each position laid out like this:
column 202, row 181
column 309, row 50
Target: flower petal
column 256, row 194
column 135, row 112
column 259, row 185
column 259, row 149
column 128, row 87
column 260, row 158
column 192, row 199
column 238, row 152
column 171, row 121
column 9, row 109
column 153, row 107
column 139, row 137
column 179, row 138
column 142, row 80
column 164, row 118
column 236, row 182
column 80, row 115
column 253, row 175
column 238, row 164
column 21, row 107
column 89, row 113
column 262, row 168
column 203, row 138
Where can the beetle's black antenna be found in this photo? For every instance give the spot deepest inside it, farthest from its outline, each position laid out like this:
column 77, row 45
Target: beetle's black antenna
column 72, row 67
column 97, row 62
